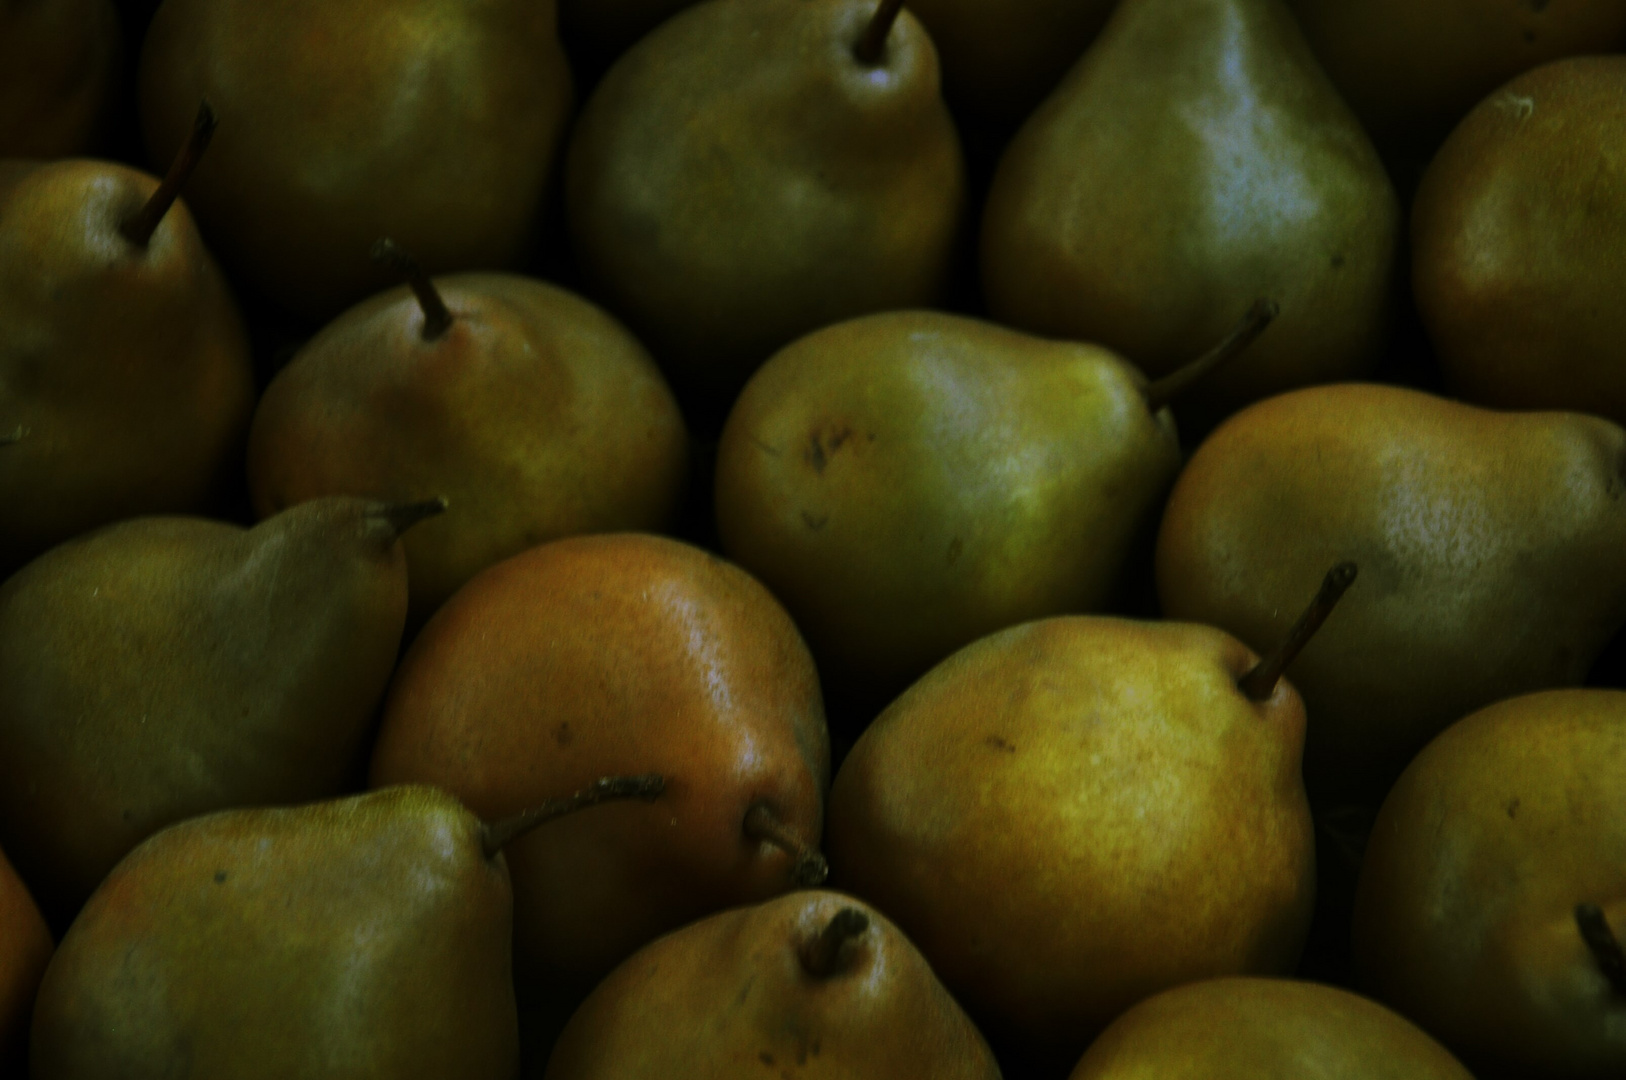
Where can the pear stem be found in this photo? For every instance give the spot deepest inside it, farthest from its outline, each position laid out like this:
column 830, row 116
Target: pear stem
column 436, row 318
column 139, row 226
column 1260, row 683
column 763, row 826
column 822, row 957
column 402, row 516
column 872, row 45
column 1605, row 946
column 1162, row 391
column 496, row 835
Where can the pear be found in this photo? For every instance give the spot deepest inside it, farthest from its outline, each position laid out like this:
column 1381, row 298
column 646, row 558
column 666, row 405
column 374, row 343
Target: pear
column 1516, row 233
column 1412, row 70
column 756, row 169
column 1075, row 813
column 366, row 936
column 909, row 482
column 1264, row 1029
column 124, row 366
column 25, row 949
column 815, row 983
column 535, row 414
column 611, row 654
column 433, row 121
column 1490, row 543
column 164, row 667
column 1493, row 882
column 59, row 61
column 1193, row 158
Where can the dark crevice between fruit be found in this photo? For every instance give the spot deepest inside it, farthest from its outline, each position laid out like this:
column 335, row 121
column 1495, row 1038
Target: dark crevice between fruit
column 1259, row 683
column 402, row 516
column 139, row 226
column 872, row 46
column 762, row 825
column 436, row 318
column 1165, row 390
column 1605, row 946
column 827, row 954
column 496, row 835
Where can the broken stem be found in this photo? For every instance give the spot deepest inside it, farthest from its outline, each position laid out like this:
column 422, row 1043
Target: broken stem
column 822, row 957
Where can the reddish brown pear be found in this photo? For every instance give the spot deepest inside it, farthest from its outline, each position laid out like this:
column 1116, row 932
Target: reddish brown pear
column 59, row 61
column 25, row 949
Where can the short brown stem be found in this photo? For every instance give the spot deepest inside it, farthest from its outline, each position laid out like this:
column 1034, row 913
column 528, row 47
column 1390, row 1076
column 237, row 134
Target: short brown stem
column 872, row 45
column 402, row 516
column 436, row 318
column 824, row 955
column 1162, row 391
column 139, row 226
column 1605, row 946
column 1260, row 683
column 496, row 835
column 763, row 826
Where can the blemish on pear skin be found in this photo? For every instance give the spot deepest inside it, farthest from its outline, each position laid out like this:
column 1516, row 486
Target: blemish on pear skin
column 220, row 877
column 820, row 448
column 1513, row 809
column 766, row 1058
column 563, row 735
column 956, row 548
column 999, row 744
column 815, row 522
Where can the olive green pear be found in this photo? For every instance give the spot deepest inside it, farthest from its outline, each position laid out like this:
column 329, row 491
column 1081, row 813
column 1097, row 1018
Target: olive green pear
column 1494, row 889
column 25, row 949
column 1489, row 545
column 1517, row 238
column 756, row 169
column 165, row 667
column 1196, row 157
column 59, row 63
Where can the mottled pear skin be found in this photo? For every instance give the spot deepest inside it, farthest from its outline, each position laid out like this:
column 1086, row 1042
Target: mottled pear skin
column 1075, row 813
column 1194, row 159
column 909, row 482
column 59, row 60
column 25, row 949
column 1489, row 546
column 1465, row 913
column 1519, row 243
column 1264, row 1029
column 363, row 937
column 730, row 995
column 739, row 179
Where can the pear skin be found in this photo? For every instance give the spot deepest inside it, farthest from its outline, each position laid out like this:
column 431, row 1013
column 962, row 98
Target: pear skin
column 1489, row 546
column 814, row 984
column 25, row 949
column 203, row 665
column 363, row 937
column 1196, row 157
column 535, row 414
column 1518, row 233
column 909, row 482
column 1465, row 916
column 618, row 654
column 1075, row 813
column 740, row 178
column 59, row 63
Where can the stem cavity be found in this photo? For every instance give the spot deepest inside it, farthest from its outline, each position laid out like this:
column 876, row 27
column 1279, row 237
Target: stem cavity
column 436, row 319
column 826, row 954
column 872, row 45
column 1162, row 391
column 496, row 835
column 764, row 826
column 139, row 226
column 1260, row 683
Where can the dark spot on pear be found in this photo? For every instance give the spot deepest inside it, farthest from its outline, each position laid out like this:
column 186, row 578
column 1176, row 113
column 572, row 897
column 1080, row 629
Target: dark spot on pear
column 816, row 1047
column 956, row 548
column 1513, row 808
column 1529, row 37
column 126, row 815
column 999, row 744
column 815, row 454
column 821, row 446
column 1538, row 5
column 801, row 1054
column 563, row 735
column 1338, row 261
column 766, row 1058
column 220, row 877
column 815, row 522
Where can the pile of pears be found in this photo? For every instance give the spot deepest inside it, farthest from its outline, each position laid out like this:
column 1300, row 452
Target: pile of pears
column 812, row 538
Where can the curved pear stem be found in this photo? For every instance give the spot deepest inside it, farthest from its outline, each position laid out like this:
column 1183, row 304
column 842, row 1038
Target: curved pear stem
column 1162, row 391
column 139, row 226
column 402, row 516
column 824, row 956
column 1605, row 946
column 436, row 319
column 1260, row 683
column 496, row 835
column 872, row 45
column 763, row 826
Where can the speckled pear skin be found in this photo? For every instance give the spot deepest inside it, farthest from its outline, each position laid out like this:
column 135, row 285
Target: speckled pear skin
column 1075, row 813
column 911, row 481
column 730, row 996
column 1193, row 159
column 1465, row 913
column 359, row 938
column 165, row 667
column 1489, row 546
column 59, row 60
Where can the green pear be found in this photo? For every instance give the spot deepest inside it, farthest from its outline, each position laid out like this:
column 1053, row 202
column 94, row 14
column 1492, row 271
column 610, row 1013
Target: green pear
column 25, row 949
column 1516, row 237
column 1264, row 1029
column 59, row 62
column 1489, row 542
column 535, row 414
column 756, row 169
column 164, row 667
column 363, row 937
column 909, row 482
column 1196, row 157
column 433, row 121
column 813, row 984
